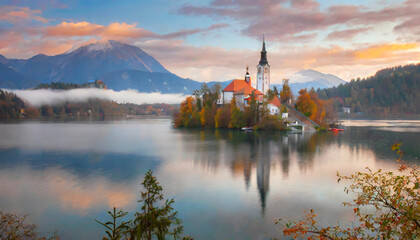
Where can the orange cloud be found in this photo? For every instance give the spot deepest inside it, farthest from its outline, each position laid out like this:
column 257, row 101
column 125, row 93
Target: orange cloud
column 32, row 47
column 74, row 29
column 15, row 14
column 56, row 187
column 385, row 50
column 115, row 31
column 118, row 30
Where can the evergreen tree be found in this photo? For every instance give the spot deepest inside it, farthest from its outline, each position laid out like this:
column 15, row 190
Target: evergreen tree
column 155, row 221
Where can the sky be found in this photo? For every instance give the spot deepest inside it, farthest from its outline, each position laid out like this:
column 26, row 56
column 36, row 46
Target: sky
column 214, row 40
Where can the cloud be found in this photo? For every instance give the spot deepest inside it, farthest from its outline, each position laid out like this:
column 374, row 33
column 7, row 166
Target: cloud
column 41, row 97
column 116, row 30
column 219, row 64
column 17, row 14
column 73, row 29
column 9, row 37
column 384, row 51
column 281, row 19
column 347, row 34
column 59, row 188
column 26, row 48
column 305, row 4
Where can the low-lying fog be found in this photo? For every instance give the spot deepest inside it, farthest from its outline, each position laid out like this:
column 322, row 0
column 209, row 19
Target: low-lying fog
column 50, row 97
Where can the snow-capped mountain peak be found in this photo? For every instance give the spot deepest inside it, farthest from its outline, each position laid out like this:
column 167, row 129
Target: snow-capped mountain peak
column 99, row 46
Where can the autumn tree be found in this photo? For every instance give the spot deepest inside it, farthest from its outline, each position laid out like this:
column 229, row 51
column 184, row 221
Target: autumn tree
column 237, row 116
column 386, row 206
column 187, row 116
column 13, row 226
column 223, row 116
column 209, row 109
column 286, row 92
column 253, row 109
column 270, row 95
column 305, row 104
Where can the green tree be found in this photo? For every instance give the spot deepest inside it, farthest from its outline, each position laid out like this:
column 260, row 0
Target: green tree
column 223, row 116
column 237, row 116
column 153, row 220
column 196, row 93
column 115, row 230
column 254, row 109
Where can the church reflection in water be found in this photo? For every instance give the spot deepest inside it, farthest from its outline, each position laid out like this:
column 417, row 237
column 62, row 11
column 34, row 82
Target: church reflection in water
column 254, row 153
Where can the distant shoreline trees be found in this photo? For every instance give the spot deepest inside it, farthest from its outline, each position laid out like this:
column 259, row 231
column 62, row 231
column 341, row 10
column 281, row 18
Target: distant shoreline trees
column 390, row 92
column 13, row 107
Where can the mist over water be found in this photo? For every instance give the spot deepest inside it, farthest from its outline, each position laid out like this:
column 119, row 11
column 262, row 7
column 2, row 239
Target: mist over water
column 226, row 184
column 41, row 97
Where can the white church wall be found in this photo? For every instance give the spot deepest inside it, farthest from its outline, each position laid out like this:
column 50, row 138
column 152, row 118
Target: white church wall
column 227, row 97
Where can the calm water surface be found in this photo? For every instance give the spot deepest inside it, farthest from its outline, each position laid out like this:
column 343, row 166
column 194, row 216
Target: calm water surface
column 226, row 184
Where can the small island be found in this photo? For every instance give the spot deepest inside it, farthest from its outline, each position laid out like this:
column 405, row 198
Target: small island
column 241, row 106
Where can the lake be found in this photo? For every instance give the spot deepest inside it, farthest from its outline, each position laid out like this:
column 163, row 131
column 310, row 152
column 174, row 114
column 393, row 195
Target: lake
column 226, row 184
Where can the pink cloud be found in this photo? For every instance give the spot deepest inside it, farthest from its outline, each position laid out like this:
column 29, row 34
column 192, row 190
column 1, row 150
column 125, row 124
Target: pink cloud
column 280, row 20
column 119, row 31
column 305, row 4
column 347, row 34
column 215, row 63
column 17, row 14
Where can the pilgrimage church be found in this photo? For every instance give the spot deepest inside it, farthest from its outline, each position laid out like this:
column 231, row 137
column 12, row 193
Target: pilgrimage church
column 241, row 89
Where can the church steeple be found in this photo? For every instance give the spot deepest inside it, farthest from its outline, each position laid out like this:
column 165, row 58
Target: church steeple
column 263, row 71
column 263, row 59
column 247, row 77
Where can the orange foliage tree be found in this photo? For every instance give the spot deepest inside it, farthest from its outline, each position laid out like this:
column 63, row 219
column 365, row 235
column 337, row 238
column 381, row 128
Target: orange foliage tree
column 286, row 92
column 305, row 104
column 188, row 116
column 386, row 206
column 223, row 116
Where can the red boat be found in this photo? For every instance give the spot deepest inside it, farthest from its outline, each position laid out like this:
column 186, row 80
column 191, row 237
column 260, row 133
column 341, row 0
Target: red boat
column 336, row 130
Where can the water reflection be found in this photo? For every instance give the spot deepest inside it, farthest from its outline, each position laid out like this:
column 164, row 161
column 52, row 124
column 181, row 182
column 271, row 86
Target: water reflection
column 248, row 153
column 227, row 184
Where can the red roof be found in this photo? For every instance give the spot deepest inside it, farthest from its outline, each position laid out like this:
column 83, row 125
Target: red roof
column 275, row 102
column 239, row 86
column 235, row 85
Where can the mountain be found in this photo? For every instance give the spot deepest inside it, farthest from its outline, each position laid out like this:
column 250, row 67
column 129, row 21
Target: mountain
column 149, row 81
column 311, row 79
column 9, row 77
column 119, row 65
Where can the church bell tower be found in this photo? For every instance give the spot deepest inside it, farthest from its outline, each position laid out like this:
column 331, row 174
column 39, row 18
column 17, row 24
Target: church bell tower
column 263, row 71
column 247, row 77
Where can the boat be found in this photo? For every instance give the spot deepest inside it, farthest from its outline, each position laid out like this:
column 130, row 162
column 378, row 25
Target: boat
column 336, row 130
column 247, row 128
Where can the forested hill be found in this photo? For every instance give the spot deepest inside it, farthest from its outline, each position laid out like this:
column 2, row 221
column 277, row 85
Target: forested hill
column 390, row 92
